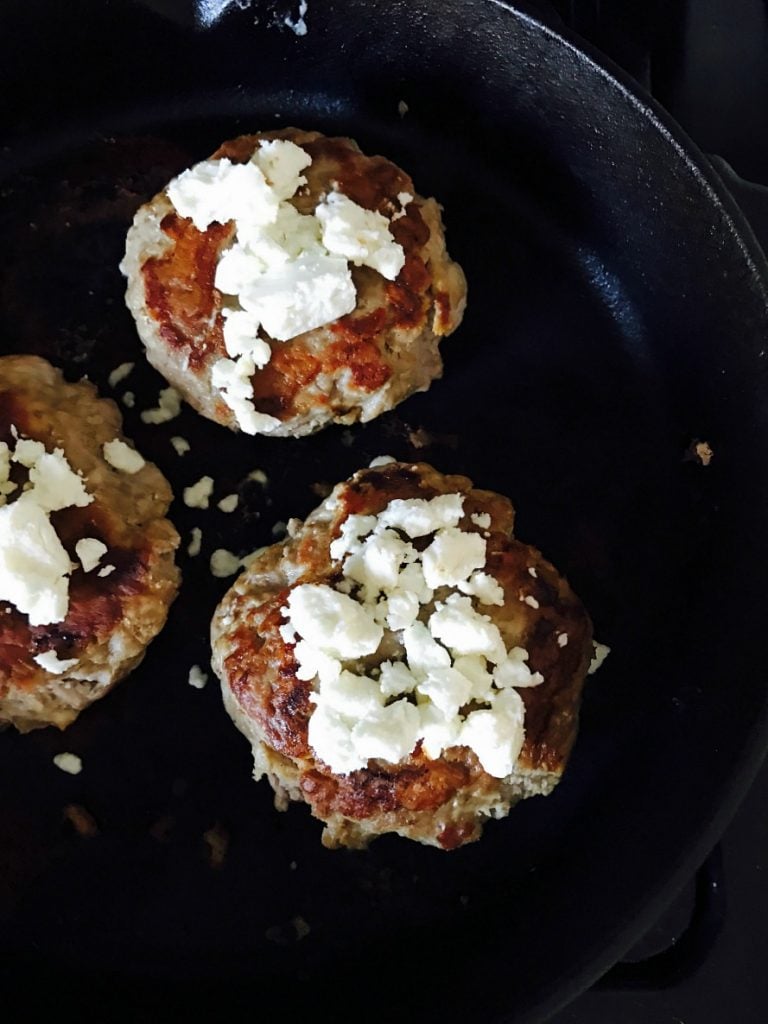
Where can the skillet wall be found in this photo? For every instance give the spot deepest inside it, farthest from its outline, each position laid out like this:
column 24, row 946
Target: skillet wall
column 665, row 751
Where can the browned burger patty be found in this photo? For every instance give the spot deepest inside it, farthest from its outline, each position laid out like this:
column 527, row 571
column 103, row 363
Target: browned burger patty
column 354, row 368
column 442, row 801
column 112, row 618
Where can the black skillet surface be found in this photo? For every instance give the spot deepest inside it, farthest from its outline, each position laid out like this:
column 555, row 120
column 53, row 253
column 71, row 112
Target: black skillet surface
column 616, row 314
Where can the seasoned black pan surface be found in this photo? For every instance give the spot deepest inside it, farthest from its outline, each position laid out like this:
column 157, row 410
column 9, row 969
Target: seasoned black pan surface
column 617, row 314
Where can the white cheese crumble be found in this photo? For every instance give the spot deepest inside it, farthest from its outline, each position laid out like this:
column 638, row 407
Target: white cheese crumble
column 223, row 563
column 7, row 486
column 120, row 373
column 601, row 653
column 197, row 678
column 180, row 445
column 69, row 763
column 107, row 570
column 50, row 661
column 168, row 407
column 298, row 25
column 199, row 494
column 195, row 542
column 259, row 476
column 34, row 565
column 359, row 235
column 90, row 550
column 285, row 273
column 455, row 682
column 380, row 460
column 122, row 457
column 229, row 504
column 481, row 519
column 129, row 399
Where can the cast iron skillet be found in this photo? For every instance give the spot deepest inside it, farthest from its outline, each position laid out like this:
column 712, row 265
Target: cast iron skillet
column 617, row 313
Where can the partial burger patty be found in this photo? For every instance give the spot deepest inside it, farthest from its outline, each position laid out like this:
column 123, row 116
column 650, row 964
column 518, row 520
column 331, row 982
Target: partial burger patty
column 352, row 369
column 441, row 801
column 111, row 618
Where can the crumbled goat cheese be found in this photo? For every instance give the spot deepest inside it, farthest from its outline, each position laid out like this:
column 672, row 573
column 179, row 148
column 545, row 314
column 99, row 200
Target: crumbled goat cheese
column 298, row 25
column 195, row 543
column 7, row 486
column 230, row 503
column 199, row 494
column 34, row 566
column 481, row 519
column 168, row 407
column 531, row 601
column 456, row 683
column 69, row 763
column 197, row 677
column 50, row 661
column 122, row 457
column 259, row 476
column 223, row 563
column 119, row 374
column 532, row 571
column 106, row 571
column 90, row 550
column 180, row 445
column 380, row 460
column 232, row 377
column 562, row 639
column 359, row 235
column 129, row 399
column 402, row 108
column 601, row 653
column 287, row 272
column 404, row 198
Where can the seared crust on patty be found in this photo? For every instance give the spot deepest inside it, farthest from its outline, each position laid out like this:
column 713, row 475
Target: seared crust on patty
column 443, row 801
column 111, row 619
column 351, row 369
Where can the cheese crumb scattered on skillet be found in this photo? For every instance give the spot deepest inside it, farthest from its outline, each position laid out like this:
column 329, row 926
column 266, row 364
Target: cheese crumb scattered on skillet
column 259, row 476
column 120, row 373
column 601, row 653
column 69, row 763
column 223, row 563
column 199, row 494
column 168, row 407
column 196, row 539
column 180, row 445
column 129, row 400
column 106, row 571
column 230, row 503
column 298, row 25
column 122, row 457
column 197, row 678
column 455, row 664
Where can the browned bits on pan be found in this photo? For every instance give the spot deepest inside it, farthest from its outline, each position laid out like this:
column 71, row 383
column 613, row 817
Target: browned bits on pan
column 217, row 841
column 81, row 820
